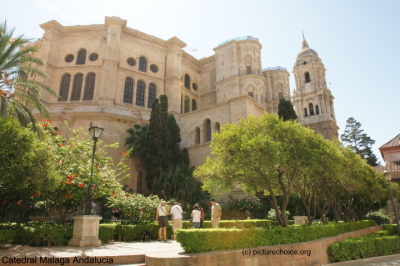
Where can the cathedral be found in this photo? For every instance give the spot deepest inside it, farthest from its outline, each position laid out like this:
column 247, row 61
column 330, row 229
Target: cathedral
column 108, row 75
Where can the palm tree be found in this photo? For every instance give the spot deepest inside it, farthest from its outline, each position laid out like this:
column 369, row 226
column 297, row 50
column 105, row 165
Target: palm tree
column 19, row 91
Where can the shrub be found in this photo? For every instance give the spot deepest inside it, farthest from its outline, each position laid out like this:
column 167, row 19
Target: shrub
column 107, row 232
column 204, row 240
column 363, row 247
column 379, row 217
column 6, row 236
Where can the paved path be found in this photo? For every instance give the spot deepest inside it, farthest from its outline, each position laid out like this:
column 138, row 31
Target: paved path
column 133, row 253
column 121, row 252
column 381, row 261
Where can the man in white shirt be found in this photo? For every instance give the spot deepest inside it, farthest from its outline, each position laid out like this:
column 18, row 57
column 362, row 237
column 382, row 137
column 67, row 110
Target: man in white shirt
column 176, row 212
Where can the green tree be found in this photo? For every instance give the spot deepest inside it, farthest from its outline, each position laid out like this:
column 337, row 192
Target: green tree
column 157, row 155
column 20, row 88
column 174, row 140
column 358, row 141
column 261, row 154
column 286, row 110
column 26, row 166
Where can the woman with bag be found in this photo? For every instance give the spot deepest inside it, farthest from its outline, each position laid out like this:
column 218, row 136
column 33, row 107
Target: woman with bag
column 162, row 219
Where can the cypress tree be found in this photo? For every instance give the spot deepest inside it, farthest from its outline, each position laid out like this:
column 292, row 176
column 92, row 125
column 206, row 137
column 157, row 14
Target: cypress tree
column 175, row 139
column 157, row 156
column 286, row 110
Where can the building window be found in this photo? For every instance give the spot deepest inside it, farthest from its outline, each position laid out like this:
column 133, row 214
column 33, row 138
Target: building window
column 131, row 61
column 81, row 58
column 152, row 95
column 154, row 68
column 307, row 77
column 207, row 130
column 311, row 107
column 186, row 108
column 187, row 81
column 69, row 58
column 305, row 112
column 217, row 127
column 250, row 93
column 194, row 105
column 64, row 87
column 93, row 57
column 140, row 93
column 248, row 69
column 317, row 109
column 280, row 95
column 128, row 90
column 89, row 87
column 77, row 87
column 194, row 86
column 197, row 135
column 142, row 64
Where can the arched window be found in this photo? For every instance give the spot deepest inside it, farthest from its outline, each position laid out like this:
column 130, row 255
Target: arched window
column 186, row 103
column 81, row 58
column 77, row 87
column 311, row 107
column 152, row 95
column 307, row 77
column 64, row 87
column 197, row 135
column 140, row 90
column 89, row 87
column 128, row 90
column 217, row 127
column 317, row 109
column 207, row 130
column 305, row 112
column 142, row 64
column 194, row 105
column 187, row 81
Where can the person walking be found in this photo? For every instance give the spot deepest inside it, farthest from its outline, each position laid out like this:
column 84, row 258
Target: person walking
column 162, row 219
column 176, row 212
column 216, row 212
column 196, row 215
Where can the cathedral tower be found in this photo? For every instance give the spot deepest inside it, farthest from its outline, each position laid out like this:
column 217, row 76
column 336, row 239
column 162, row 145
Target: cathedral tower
column 312, row 99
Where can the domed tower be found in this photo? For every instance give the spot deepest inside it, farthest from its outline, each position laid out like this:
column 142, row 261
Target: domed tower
column 313, row 100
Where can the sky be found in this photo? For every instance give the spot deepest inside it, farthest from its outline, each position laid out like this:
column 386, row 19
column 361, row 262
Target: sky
column 357, row 40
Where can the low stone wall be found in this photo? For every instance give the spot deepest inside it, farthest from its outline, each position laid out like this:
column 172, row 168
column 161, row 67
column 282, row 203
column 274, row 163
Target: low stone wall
column 304, row 253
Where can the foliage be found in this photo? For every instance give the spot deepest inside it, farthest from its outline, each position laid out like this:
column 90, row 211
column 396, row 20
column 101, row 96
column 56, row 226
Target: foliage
column 272, row 215
column 364, row 247
column 20, row 75
column 250, row 205
column 358, row 141
column 379, row 217
column 286, row 111
column 261, row 154
column 135, row 208
column 26, row 166
column 168, row 171
column 6, row 237
column 195, row 241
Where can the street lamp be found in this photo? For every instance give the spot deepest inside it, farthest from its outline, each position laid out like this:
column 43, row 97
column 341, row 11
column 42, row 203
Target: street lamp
column 386, row 172
column 95, row 133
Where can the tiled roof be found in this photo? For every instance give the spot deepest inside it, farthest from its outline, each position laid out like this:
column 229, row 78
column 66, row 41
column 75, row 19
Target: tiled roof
column 392, row 143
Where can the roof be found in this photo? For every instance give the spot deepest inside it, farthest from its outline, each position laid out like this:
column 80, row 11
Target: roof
column 392, row 143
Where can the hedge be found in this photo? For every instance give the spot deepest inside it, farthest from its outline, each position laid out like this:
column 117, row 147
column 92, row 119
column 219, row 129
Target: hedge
column 195, row 241
column 380, row 243
column 240, row 224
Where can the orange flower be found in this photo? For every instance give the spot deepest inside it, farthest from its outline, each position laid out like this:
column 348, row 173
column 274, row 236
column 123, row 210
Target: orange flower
column 124, row 154
column 59, row 133
column 19, row 202
column 81, row 184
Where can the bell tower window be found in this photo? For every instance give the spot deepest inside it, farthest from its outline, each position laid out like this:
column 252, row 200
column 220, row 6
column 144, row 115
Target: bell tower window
column 307, row 77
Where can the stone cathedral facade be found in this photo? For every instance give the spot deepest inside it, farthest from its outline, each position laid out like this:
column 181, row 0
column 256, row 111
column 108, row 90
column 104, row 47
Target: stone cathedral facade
column 109, row 75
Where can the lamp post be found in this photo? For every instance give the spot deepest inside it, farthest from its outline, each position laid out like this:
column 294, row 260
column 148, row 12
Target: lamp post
column 386, row 173
column 95, row 133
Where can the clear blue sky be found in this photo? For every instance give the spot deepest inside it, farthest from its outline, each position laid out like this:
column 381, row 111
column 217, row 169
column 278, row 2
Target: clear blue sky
column 357, row 40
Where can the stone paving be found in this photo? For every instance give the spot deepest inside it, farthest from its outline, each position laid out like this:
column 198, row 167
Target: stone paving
column 120, row 252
